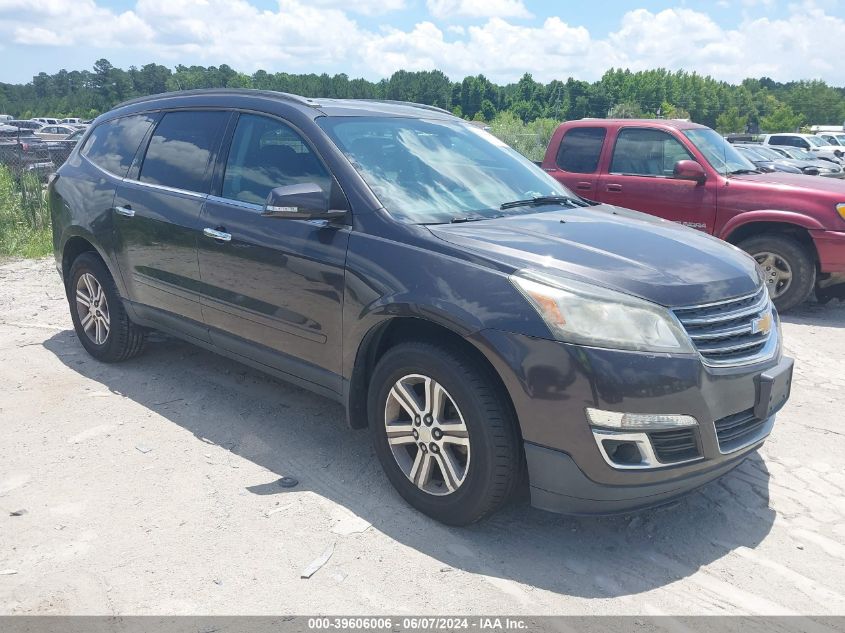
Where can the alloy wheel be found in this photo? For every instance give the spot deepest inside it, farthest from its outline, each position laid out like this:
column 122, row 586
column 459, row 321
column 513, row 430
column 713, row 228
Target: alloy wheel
column 92, row 308
column 777, row 272
column 427, row 434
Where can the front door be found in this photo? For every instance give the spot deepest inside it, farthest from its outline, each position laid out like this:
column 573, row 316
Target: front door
column 272, row 289
column 157, row 215
column 641, row 177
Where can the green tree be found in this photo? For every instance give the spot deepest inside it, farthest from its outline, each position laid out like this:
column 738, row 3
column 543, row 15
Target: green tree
column 731, row 121
column 625, row 111
column 782, row 119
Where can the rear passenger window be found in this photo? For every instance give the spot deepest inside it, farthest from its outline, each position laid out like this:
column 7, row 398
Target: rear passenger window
column 181, row 149
column 266, row 154
column 644, row 152
column 580, row 149
column 112, row 144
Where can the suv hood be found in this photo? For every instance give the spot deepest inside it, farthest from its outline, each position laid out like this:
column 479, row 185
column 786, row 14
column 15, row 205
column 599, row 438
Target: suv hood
column 798, row 181
column 628, row 251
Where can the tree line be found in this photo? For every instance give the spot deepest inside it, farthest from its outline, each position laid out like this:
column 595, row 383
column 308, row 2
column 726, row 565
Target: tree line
column 755, row 105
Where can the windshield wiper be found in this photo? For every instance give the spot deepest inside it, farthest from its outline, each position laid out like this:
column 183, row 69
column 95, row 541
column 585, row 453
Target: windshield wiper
column 737, row 172
column 541, row 200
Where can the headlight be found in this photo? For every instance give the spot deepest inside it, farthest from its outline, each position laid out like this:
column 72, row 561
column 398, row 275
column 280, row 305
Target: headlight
column 840, row 208
column 588, row 315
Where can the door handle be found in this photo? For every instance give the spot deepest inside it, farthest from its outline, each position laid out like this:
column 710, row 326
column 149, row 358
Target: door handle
column 614, row 187
column 125, row 211
column 584, row 186
column 217, row 235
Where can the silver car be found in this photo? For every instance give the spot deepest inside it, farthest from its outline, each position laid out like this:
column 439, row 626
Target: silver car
column 826, row 168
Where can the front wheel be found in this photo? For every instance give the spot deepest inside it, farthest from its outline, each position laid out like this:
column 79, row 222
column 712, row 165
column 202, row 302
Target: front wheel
column 443, row 433
column 788, row 269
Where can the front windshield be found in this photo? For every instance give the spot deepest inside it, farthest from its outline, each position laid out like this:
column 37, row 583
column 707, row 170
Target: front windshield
column 431, row 171
column 800, row 154
column 751, row 154
column 817, row 141
column 770, row 154
column 718, row 152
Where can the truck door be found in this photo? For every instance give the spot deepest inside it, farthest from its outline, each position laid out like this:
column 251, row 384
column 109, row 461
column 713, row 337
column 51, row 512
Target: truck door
column 641, row 177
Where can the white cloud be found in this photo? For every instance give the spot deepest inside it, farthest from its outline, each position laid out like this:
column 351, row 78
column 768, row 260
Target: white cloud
column 446, row 9
column 317, row 35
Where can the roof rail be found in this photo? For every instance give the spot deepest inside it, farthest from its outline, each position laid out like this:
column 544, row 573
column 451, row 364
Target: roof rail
column 210, row 91
column 424, row 106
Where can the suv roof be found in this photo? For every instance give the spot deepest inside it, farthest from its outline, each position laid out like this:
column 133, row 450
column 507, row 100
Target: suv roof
column 674, row 124
column 328, row 107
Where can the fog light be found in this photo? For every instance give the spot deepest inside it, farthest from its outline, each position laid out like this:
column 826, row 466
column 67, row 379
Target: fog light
column 638, row 421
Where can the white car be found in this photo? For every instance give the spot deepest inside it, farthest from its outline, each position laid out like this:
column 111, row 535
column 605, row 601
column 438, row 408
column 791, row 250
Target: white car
column 812, row 143
column 833, row 138
column 45, row 120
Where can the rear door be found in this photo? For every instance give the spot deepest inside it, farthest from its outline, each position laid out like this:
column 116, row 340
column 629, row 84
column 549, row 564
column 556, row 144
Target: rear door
column 641, row 177
column 273, row 288
column 157, row 216
column 577, row 160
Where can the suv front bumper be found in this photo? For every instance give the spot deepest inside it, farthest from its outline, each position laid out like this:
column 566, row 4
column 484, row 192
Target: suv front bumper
column 551, row 384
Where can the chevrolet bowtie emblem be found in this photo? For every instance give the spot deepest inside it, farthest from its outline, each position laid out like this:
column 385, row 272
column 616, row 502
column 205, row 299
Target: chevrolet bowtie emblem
column 762, row 325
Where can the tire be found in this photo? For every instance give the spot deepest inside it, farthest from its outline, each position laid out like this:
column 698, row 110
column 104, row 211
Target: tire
column 116, row 337
column 788, row 252
column 486, row 471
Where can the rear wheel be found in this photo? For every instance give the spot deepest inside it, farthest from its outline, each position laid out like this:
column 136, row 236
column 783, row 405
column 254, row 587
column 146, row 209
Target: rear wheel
column 97, row 311
column 443, row 433
column 788, row 269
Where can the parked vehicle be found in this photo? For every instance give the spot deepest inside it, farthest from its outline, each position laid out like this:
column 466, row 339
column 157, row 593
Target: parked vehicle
column 25, row 125
column 5, row 117
column 824, row 167
column 55, row 132
column 810, row 142
column 794, row 226
column 784, row 162
column 45, row 120
column 763, row 164
column 832, row 138
column 72, row 120
column 61, row 149
column 21, row 152
column 468, row 308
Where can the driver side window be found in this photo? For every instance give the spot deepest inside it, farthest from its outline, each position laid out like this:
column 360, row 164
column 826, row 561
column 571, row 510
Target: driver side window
column 265, row 154
column 644, row 152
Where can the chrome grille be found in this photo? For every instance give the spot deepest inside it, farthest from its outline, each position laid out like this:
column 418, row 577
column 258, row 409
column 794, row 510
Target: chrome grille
column 727, row 333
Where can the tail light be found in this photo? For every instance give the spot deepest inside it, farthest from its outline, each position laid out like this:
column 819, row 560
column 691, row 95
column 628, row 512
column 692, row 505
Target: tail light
column 25, row 147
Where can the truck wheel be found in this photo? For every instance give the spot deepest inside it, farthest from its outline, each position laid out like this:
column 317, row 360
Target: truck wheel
column 789, row 270
column 443, row 432
column 98, row 315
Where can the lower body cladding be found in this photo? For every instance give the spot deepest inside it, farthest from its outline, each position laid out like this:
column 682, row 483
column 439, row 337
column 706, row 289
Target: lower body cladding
column 608, row 431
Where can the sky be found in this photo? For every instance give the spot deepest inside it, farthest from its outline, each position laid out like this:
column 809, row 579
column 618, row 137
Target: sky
column 502, row 39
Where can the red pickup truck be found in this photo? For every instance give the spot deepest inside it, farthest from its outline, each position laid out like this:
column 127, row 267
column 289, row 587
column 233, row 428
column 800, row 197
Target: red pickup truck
column 793, row 225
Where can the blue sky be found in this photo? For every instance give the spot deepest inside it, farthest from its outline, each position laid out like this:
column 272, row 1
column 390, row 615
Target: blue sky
column 729, row 39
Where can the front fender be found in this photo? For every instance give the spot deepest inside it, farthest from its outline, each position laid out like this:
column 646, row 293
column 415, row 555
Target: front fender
column 769, row 215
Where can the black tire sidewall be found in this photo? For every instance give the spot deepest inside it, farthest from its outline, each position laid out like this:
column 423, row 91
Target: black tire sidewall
column 89, row 263
column 468, row 503
column 800, row 261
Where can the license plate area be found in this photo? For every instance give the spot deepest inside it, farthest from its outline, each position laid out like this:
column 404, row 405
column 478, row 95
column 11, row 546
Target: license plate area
column 773, row 389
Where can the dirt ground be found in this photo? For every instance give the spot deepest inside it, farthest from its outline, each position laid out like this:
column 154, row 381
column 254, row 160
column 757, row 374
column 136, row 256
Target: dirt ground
column 149, row 487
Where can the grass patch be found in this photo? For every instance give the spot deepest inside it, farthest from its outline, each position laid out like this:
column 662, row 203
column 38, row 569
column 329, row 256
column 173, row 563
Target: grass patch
column 24, row 216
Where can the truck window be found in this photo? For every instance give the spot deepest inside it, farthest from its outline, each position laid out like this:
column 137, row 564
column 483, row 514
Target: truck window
column 645, row 152
column 580, row 149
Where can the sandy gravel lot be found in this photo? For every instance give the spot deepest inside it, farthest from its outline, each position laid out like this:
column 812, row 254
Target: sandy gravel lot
column 150, row 488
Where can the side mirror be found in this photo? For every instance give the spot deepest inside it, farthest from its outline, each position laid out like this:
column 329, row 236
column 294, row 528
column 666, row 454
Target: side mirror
column 690, row 170
column 305, row 201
